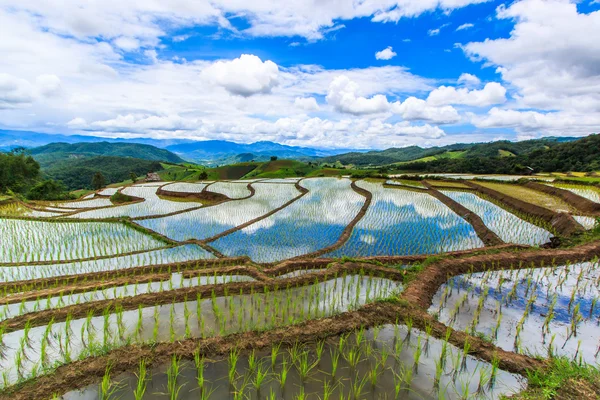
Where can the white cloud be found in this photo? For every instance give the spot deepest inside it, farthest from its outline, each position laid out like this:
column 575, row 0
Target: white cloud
column 15, row 92
column 385, row 54
column 417, row 109
column 492, row 93
column 244, row 76
column 343, row 95
column 127, row 43
column 147, row 21
column 435, row 32
column 551, row 58
column 465, row 26
column 553, row 123
column 306, row 103
column 468, row 79
column 143, row 123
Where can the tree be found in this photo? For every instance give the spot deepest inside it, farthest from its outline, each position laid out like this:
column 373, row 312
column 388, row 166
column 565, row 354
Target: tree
column 98, row 181
column 133, row 176
column 48, row 190
column 18, row 171
column 203, row 175
column 273, row 158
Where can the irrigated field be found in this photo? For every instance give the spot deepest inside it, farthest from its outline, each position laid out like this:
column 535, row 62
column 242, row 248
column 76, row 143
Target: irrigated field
column 314, row 288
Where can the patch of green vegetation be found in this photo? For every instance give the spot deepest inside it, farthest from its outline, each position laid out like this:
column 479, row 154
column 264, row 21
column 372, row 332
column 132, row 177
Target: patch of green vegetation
column 506, row 153
column 81, row 192
column 121, row 198
column 561, row 374
column 282, row 169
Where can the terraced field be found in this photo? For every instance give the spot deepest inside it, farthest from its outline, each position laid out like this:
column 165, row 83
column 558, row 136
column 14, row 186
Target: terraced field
column 314, row 288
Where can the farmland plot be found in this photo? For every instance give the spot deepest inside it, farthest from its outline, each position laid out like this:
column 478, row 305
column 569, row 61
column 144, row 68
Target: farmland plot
column 540, row 311
column 509, row 227
column 115, row 292
column 207, row 222
column 152, row 205
column 92, row 203
column 591, row 193
column 185, row 187
column 384, row 362
column 404, row 222
column 33, row 350
column 309, row 224
column 177, row 254
column 31, row 241
column 530, row 196
column 230, row 189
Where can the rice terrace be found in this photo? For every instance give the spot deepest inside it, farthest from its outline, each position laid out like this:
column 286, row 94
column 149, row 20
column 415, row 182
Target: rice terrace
column 303, row 288
column 300, row 200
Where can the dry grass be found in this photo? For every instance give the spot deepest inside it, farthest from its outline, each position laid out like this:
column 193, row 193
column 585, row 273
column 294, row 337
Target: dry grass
column 530, row 196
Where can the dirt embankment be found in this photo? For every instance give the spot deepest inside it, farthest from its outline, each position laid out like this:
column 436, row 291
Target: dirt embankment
column 204, row 195
column 65, row 280
column 563, row 223
column 421, row 291
column 581, row 203
column 487, row 236
column 41, row 318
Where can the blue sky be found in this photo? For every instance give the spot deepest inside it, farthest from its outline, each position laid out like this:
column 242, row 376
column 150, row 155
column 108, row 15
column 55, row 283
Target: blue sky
column 303, row 72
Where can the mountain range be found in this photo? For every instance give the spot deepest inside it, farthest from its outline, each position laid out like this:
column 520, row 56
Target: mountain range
column 209, row 152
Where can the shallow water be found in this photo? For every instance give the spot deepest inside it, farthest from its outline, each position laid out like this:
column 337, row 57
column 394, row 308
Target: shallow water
column 509, row 227
column 386, row 358
column 176, row 254
column 31, row 241
column 404, row 222
column 115, row 292
column 210, row 221
column 563, row 313
column 311, row 223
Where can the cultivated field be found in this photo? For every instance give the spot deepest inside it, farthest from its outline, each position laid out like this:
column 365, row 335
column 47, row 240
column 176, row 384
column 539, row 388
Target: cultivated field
column 314, row 288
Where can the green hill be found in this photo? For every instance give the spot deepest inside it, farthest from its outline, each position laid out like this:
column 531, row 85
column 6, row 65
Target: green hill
column 78, row 173
column 53, row 152
column 400, row 156
column 581, row 155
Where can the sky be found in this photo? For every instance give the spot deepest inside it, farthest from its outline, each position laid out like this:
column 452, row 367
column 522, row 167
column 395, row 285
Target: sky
column 317, row 73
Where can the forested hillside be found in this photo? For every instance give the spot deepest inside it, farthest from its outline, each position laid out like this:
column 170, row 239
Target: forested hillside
column 580, row 155
column 53, row 152
column 78, row 173
column 502, row 148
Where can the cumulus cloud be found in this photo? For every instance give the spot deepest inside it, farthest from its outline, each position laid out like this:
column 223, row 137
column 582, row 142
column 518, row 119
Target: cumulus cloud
column 468, row 79
column 564, row 75
column 492, row 93
column 244, row 76
column 17, row 92
column 385, row 54
column 417, row 109
column 343, row 95
column 306, row 103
